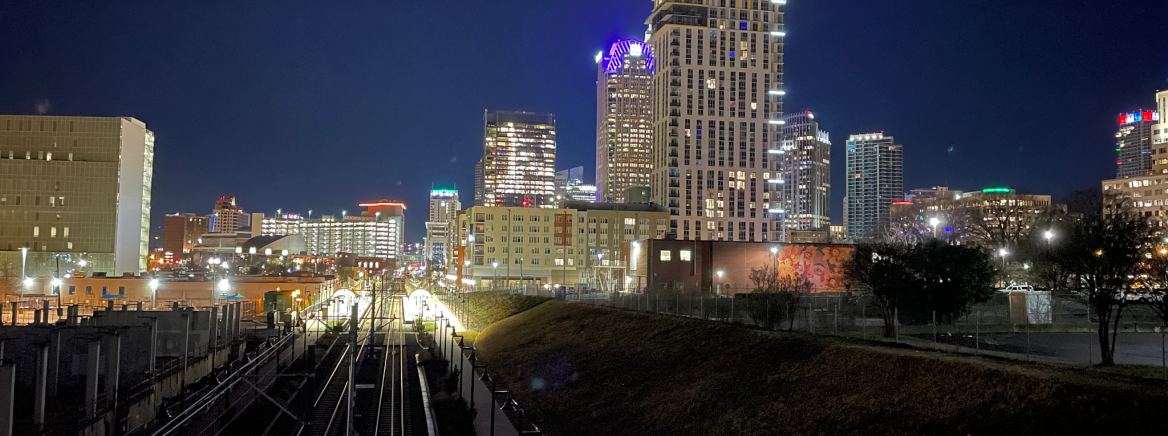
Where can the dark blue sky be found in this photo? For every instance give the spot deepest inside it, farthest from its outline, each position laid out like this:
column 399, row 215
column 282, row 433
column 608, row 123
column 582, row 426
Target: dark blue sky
column 321, row 105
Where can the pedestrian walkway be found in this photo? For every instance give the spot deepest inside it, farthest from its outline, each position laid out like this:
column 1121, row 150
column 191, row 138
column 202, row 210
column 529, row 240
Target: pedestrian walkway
column 476, row 392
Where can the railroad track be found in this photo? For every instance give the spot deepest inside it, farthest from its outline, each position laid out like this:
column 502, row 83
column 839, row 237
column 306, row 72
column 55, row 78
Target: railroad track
column 392, row 407
column 328, row 403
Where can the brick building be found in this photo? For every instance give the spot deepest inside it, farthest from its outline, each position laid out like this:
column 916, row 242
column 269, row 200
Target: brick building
column 694, row 266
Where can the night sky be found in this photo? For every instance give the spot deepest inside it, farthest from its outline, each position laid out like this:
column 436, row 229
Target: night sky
column 321, row 105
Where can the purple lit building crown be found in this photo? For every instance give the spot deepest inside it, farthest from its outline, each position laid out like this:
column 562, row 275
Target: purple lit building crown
column 616, row 55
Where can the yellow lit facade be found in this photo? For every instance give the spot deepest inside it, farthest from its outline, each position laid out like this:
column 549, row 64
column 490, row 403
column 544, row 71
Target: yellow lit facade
column 519, row 159
column 553, row 246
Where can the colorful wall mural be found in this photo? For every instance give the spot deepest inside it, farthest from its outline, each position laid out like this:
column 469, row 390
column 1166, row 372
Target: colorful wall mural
column 821, row 264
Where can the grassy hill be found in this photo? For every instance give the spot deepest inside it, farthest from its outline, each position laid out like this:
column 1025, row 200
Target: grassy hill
column 585, row 370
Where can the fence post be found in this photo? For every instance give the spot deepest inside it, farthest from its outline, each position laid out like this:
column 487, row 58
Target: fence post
column 810, row 314
column 977, row 332
column 896, row 322
column 731, row 309
column 864, row 321
column 790, row 322
column 768, row 321
column 1163, row 356
column 702, row 306
column 838, row 303
column 1027, row 340
column 1090, row 356
column 934, row 330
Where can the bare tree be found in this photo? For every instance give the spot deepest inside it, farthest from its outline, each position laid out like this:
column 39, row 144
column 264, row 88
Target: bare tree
column 773, row 294
column 9, row 281
column 1103, row 256
column 1154, row 276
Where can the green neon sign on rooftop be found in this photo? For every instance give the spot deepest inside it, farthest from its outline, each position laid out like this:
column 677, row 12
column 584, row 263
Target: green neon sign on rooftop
column 997, row 190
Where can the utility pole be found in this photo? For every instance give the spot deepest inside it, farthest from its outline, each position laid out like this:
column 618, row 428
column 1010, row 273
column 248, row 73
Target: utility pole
column 352, row 370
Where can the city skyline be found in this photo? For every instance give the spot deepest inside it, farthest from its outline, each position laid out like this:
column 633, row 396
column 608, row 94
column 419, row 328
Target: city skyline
column 830, row 69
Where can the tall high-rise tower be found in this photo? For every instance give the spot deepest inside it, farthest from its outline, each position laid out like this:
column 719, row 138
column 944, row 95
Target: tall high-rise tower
column 1160, row 136
column 519, row 159
column 875, row 178
column 623, row 133
column 444, row 205
column 802, row 177
column 717, row 94
column 1133, row 143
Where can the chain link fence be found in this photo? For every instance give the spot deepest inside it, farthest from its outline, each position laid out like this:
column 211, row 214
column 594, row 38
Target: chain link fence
column 1051, row 329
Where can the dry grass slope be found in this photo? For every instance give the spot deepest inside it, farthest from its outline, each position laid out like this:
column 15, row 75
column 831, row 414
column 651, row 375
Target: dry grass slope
column 585, row 370
column 490, row 307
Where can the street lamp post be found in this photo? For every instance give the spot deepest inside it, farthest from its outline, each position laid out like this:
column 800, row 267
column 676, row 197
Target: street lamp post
column 933, row 222
column 223, row 286
column 1048, row 235
column 153, row 293
column 23, row 275
column 599, row 264
column 495, row 280
column 465, row 266
column 719, row 285
column 1003, row 253
column 775, row 259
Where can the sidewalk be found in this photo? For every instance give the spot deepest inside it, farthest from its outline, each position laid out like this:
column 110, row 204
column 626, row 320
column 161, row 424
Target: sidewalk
column 483, row 404
column 481, row 401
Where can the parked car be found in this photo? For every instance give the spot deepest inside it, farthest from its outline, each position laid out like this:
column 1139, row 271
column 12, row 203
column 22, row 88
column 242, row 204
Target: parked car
column 1143, row 295
column 1017, row 287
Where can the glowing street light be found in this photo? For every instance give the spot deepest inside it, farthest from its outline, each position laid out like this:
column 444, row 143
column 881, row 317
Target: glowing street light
column 28, row 282
column 154, row 293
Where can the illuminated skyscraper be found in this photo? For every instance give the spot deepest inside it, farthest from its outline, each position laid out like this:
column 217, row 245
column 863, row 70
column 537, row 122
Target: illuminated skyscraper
column 875, row 178
column 1133, row 143
column 801, row 183
column 519, row 159
column 716, row 99
column 623, row 133
column 1160, row 136
column 227, row 217
column 444, row 205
